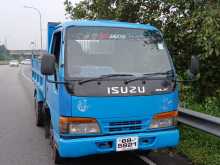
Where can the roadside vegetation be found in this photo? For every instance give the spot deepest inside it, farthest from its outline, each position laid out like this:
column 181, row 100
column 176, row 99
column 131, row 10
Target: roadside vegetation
column 5, row 56
column 189, row 28
column 3, row 53
column 209, row 105
column 201, row 148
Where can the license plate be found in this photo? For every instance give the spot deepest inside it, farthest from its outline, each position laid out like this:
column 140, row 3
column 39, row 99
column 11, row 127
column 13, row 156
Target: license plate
column 127, row 143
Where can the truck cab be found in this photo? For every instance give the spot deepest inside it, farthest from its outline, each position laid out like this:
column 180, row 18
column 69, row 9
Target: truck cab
column 105, row 86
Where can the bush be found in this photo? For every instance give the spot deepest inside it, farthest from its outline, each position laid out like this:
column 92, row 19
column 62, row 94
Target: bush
column 209, row 105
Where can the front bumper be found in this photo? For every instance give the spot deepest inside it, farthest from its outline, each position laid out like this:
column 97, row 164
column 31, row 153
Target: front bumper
column 93, row 145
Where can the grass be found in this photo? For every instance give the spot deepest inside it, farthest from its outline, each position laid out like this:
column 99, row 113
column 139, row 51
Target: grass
column 201, row 148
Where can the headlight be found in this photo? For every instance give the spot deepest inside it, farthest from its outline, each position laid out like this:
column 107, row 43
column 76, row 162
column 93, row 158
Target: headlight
column 90, row 128
column 163, row 120
column 79, row 126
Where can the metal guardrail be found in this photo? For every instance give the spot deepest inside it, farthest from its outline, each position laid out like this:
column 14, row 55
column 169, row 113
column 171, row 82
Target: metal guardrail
column 204, row 122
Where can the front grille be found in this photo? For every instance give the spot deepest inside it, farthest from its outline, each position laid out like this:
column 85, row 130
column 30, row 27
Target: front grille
column 125, row 129
column 125, row 123
column 125, row 126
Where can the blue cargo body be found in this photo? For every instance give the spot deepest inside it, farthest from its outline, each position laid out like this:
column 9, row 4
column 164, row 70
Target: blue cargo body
column 141, row 116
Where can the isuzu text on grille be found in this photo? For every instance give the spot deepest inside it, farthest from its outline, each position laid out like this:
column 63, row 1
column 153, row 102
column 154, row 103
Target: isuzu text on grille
column 125, row 90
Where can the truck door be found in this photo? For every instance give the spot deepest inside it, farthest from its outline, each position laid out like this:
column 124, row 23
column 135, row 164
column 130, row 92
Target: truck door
column 52, row 88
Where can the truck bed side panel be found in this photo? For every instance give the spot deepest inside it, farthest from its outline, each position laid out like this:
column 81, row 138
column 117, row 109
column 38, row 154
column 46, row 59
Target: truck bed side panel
column 38, row 79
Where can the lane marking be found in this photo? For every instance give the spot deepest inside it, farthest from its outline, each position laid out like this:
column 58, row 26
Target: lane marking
column 25, row 76
column 147, row 160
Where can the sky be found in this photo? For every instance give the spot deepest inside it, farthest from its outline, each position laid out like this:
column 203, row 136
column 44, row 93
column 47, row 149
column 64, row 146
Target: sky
column 20, row 26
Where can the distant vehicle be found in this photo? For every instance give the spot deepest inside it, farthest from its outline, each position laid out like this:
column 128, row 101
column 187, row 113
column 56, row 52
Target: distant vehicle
column 13, row 63
column 26, row 62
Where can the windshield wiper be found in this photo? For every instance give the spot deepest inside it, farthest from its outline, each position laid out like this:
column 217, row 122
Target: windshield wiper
column 103, row 77
column 150, row 76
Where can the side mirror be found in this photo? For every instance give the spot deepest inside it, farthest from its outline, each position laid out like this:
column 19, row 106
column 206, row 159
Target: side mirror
column 194, row 66
column 192, row 71
column 48, row 65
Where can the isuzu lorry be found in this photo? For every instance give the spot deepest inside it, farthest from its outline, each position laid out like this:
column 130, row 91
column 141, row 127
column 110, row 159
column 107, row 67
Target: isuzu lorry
column 106, row 86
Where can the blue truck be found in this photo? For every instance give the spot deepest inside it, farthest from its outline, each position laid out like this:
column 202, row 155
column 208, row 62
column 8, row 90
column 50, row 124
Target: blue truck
column 106, row 86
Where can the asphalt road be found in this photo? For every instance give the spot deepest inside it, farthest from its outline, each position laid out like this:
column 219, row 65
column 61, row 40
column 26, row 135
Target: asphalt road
column 22, row 143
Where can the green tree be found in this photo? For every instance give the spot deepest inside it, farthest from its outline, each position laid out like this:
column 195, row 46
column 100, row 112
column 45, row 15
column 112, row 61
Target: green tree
column 3, row 52
column 189, row 28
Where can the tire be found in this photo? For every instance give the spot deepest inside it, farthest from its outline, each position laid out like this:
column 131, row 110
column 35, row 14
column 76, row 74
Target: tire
column 39, row 113
column 46, row 123
column 57, row 159
column 51, row 134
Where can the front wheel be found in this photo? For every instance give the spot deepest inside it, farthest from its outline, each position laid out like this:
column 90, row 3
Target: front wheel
column 47, row 123
column 39, row 113
column 57, row 159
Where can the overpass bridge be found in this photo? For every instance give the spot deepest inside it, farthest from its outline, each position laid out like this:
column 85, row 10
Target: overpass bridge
column 25, row 53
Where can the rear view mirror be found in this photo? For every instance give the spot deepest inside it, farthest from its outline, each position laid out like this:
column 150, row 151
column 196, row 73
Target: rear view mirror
column 48, row 65
column 194, row 66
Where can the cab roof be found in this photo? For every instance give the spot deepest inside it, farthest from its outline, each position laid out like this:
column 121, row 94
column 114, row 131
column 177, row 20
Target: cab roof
column 106, row 23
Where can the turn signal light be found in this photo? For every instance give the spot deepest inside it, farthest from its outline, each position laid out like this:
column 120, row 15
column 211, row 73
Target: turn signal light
column 76, row 120
column 166, row 115
column 163, row 120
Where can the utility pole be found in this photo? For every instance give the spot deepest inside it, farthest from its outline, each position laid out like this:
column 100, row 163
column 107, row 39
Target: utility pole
column 40, row 15
column 6, row 42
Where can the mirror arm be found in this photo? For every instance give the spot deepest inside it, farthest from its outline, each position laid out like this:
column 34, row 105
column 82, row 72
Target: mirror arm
column 186, row 81
column 55, row 82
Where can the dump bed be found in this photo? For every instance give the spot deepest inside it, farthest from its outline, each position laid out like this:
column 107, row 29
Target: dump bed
column 51, row 26
column 38, row 78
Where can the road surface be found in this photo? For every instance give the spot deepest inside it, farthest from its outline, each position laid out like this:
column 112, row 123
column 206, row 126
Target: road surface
column 22, row 143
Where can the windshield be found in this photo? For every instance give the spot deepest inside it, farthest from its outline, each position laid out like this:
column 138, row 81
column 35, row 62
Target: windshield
column 96, row 51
